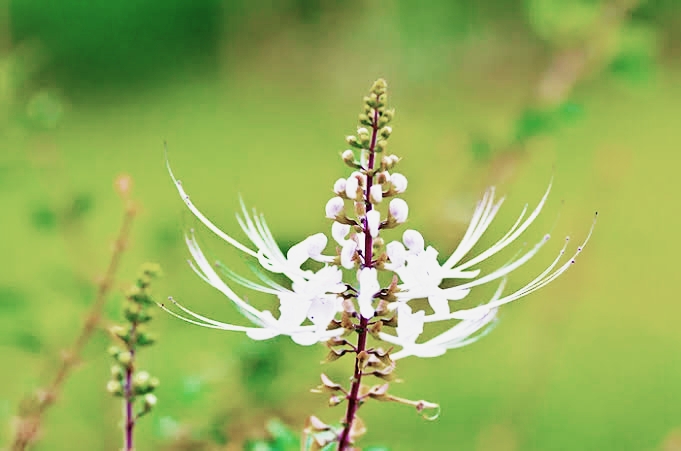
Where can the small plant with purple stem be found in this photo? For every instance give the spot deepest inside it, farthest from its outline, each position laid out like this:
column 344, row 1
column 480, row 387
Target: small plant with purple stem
column 135, row 386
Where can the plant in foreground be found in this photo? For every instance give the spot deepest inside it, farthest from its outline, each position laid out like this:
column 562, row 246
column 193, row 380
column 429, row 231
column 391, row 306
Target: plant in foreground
column 136, row 387
column 320, row 305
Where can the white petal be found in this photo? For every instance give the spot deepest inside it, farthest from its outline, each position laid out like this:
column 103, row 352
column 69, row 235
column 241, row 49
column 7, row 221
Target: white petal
column 347, row 254
column 373, row 222
column 339, row 186
column 396, row 253
column 376, row 193
column 399, row 182
column 203, row 219
column 339, row 232
column 368, row 287
column 413, row 240
column 322, row 311
column 334, row 207
column 293, row 310
column 409, row 325
column 351, row 187
column 316, row 245
column 399, row 210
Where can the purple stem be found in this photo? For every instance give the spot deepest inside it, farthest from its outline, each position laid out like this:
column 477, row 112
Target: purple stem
column 353, row 397
column 129, row 418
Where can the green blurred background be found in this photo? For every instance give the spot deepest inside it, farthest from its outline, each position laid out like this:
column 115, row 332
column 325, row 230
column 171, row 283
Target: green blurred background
column 254, row 98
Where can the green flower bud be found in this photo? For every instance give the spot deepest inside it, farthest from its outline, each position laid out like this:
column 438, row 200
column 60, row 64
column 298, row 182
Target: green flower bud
column 379, row 87
column 150, row 400
column 145, row 339
column 114, row 351
column 373, row 100
column 120, row 332
column 154, row 382
column 386, row 132
column 115, row 388
column 117, row 371
column 141, row 378
column 151, row 269
column 124, row 357
column 386, row 117
column 364, row 137
column 139, row 295
column 381, row 145
column 352, row 140
column 364, row 119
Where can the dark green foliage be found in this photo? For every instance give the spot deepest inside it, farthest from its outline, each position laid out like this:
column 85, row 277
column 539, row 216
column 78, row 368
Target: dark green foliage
column 44, row 218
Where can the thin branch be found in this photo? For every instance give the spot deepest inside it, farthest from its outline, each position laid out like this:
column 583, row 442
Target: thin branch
column 29, row 423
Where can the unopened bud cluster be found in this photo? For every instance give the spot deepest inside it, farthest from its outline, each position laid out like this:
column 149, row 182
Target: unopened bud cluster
column 135, row 386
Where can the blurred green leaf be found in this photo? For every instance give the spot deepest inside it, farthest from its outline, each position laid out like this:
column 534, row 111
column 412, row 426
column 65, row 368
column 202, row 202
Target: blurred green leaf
column 569, row 112
column 192, row 389
column 481, row 149
column 12, row 300
column 533, row 122
column 28, row 341
column 166, row 426
column 635, row 59
column 259, row 445
column 44, row 218
column 260, row 363
column 282, row 437
column 44, row 111
column 81, row 204
column 217, row 431
column 561, row 21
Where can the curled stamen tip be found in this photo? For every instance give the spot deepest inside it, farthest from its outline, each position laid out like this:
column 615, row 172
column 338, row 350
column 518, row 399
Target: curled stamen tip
column 572, row 262
column 179, row 183
column 567, row 238
column 579, row 249
column 547, row 237
column 596, row 214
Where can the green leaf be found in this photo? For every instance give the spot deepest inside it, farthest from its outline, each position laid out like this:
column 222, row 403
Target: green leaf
column 44, row 218
column 283, row 438
column 481, row 149
column 12, row 300
column 569, row 112
column 28, row 341
column 533, row 122
column 258, row 445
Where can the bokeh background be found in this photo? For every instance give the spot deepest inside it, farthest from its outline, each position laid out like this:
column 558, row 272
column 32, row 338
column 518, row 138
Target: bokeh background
column 254, row 98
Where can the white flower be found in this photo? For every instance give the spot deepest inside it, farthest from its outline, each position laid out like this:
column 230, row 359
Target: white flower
column 410, row 327
column 368, row 287
column 339, row 186
column 313, row 295
column 399, row 182
column 399, row 210
column 348, row 247
column 422, row 275
column 351, row 187
column 334, row 207
column 373, row 222
column 376, row 194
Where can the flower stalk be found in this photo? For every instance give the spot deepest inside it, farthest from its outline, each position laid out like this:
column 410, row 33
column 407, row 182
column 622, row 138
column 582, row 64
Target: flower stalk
column 319, row 306
column 353, row 396
column 134, row 386
column 34, row 408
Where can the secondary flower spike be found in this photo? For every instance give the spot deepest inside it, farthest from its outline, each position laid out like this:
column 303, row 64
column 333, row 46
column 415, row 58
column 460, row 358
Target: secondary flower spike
column 363, row 278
